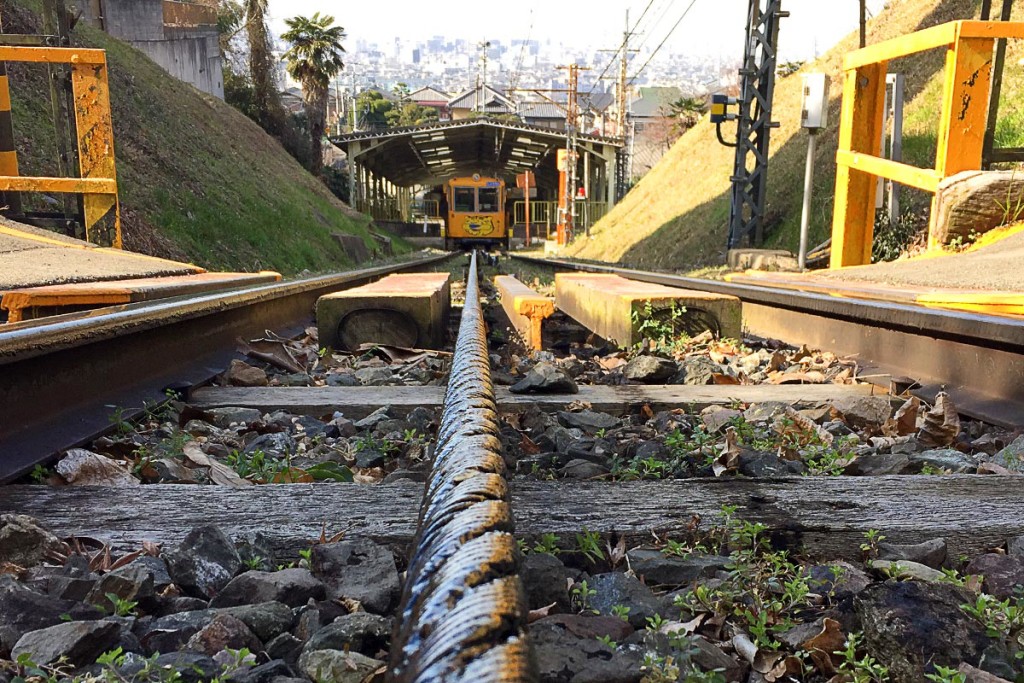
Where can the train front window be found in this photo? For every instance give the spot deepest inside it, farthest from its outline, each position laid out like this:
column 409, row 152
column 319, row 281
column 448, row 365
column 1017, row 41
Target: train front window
column 464, row 200
column 489, row 200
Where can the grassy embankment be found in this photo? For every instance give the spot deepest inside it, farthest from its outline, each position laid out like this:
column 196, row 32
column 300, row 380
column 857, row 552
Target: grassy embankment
column 198, row 180
column 677, row 216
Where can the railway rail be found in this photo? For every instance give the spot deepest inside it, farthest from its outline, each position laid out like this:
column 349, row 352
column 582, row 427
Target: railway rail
column 463, row 612
column 63, row 375
column 974, row 357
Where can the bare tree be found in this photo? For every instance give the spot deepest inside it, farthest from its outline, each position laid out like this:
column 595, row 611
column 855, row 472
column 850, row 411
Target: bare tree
column 261, row 65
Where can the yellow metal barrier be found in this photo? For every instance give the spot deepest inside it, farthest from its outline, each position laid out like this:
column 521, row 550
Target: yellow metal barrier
column 969, row 47
column 546, row 214
column 91, row 93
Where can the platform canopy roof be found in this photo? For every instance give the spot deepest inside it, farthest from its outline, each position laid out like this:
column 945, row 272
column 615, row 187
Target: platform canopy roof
column 430, row 155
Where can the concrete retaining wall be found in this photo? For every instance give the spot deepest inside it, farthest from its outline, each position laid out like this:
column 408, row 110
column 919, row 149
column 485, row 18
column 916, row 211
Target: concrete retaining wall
column 189, row 53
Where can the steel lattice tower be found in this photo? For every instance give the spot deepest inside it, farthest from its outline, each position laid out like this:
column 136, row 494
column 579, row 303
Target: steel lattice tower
column 754, row 124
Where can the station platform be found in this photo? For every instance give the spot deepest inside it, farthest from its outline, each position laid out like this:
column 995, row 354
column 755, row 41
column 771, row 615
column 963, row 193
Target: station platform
column 36, row 302
column 986, row 278
column 33, row 257
column 45, row 273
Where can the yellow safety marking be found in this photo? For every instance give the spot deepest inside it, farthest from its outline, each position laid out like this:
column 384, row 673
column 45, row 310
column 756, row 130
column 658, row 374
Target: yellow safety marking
column 145, row 257
column 5, row 94
column 43, row 240
column 996, row 235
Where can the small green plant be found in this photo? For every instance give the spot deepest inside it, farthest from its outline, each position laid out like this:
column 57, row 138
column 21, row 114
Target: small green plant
column 600, row 433
column 113, row 657
column 240, row 659
column 581, row 595
column 659, row 324
column 306, row 558
column 1001, row 618
column 682, row 548
column 588, row 544
column 120, row 422
column 863, row 670
column 656, row 622
column 607, row 641
column 659, row 669
column 370, row 443
column 256, row 466
column 870, row 547
column 39, row 474
column 944, row 674
column 621, row 611
column 121, row 607
column 894, row 238
column 547, row 543
column 824, row 461
column 254, row 563
column 953, row 576
column 1012, row 208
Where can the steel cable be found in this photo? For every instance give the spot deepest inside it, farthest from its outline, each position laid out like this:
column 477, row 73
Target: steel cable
column 463, row 612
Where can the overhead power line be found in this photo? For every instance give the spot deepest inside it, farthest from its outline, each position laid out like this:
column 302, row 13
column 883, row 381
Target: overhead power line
column 514, row 82
column 625, row 42
column 663, row 41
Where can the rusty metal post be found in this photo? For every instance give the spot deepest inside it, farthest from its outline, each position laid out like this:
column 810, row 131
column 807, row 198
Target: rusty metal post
column 463, row 613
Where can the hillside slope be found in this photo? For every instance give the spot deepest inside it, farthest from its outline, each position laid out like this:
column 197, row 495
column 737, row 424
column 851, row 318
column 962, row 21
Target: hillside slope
column 198, row 180
column 677, row 215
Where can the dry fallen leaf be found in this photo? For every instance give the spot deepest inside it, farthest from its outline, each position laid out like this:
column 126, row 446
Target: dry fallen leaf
column 941, row 423
column 812, row 377
column 219, row 472
column 823, row 646
column 539, row 613
column 729, row 458
column 611, row 362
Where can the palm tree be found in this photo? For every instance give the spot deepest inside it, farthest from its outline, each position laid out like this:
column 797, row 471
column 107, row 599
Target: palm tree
column 314, row 58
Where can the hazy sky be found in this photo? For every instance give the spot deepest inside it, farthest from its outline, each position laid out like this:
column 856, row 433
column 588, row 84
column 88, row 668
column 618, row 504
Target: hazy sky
column 710, row 27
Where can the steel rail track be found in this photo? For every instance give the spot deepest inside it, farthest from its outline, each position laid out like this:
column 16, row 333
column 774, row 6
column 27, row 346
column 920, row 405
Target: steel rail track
column 463, row 612
column 62, row 378
column 978, row 359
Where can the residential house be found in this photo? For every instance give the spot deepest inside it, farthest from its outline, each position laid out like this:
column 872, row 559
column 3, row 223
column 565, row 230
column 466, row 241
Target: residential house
column 480, row 100
column 434, row 98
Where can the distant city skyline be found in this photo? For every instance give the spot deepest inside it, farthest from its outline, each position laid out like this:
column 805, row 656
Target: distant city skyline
column 710, row 27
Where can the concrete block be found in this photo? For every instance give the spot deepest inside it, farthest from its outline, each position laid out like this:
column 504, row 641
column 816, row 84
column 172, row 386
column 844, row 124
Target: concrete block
column 762, row 259
column 608, row 305
column 407, row 309
column 353, row 246
column 525, row 308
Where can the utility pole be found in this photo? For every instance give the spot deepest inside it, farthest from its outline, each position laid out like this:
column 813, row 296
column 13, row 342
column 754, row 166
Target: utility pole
column 481, row 77
column 863, row 23
column 568, row 178
column 623, row 130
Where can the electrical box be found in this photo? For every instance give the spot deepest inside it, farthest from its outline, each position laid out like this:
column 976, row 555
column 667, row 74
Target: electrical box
column 814, row 112
column 720, row 108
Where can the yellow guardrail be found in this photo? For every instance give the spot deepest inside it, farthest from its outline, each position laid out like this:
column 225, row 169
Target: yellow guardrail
column 962, row 123
column 545, row 214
